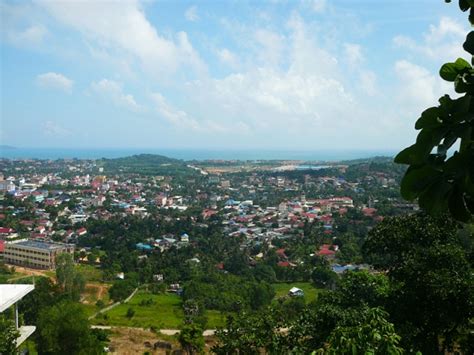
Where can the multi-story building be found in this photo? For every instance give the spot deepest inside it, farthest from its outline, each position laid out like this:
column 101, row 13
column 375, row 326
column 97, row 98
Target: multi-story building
column 34, row 254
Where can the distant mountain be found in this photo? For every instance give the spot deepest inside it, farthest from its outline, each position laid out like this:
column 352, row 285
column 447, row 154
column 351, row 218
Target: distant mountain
column 147, row 164
column 144, row 159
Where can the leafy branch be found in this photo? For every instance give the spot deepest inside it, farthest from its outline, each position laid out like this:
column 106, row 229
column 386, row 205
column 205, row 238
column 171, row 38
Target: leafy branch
column 444, row 182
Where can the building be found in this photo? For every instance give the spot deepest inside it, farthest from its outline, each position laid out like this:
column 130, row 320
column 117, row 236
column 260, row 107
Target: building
column 7, row 185
column 296, row 292
column 34, row 254
column 9, row 297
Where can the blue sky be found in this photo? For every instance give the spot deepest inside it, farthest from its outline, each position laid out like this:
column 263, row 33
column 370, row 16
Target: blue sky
column 310, row 74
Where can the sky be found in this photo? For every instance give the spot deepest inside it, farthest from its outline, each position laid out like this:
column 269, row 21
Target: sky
column 296, row 75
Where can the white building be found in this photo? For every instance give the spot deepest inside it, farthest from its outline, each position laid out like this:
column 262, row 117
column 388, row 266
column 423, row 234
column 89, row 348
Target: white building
column 9, row 296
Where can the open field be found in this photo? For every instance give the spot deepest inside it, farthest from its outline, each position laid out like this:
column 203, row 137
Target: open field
column 310, row 292
column 89, row 272
column 163, row 312
column 139, row 341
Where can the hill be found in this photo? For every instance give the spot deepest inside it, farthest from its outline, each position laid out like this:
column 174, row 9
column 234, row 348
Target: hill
column 146, row 164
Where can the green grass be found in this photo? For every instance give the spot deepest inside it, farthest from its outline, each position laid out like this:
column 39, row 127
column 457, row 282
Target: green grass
column 89, row 309
column 165, row 313
column 215, row 319
column 50, row 273
column 310, row 292
column 89, row 272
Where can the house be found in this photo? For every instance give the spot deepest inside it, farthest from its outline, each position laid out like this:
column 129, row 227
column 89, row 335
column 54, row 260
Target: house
column 325, row 251
column 142, row 246
column 295, row 292
column 185, row 238
column 158, row 277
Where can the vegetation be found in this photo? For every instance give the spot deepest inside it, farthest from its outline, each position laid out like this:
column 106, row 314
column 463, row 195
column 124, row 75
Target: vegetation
column 443, row 182
column 431, row 277
column 63, row 328
column 70, row 281
column 191, row 338
column 8, row 335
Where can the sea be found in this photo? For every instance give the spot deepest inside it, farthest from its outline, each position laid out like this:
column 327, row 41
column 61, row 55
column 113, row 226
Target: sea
column 192, row 154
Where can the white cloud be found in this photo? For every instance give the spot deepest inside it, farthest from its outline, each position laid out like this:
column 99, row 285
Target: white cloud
column 272, row 45
column 183, row 120
column 191, row 14
column 53, row 129
column 307, row 56
column 125, row 29
column 418, row 88
column 111, row 90
column 353, row 53
column 442, row 42
column 54, row 81
column 316, row 5
column 32, row 35
column 20, row 24
column 368, row 81
column 172, row 115
column 227, row 57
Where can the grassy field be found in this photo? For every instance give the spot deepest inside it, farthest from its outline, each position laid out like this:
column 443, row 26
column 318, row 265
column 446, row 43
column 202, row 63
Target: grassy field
column 310, row 292
column 165, row 312
column 90, row 272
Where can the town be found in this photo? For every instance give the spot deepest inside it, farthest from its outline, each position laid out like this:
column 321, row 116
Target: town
column 169, row 228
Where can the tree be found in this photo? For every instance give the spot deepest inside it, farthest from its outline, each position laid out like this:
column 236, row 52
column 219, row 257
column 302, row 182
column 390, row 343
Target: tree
column 323, row 276
column 45, row 294
column 64, row 329
column 246, row 333
column 8, row 336
column 121, row 289
column 69, row 280
column 444, row 183
column 432, row 284
column 130, row 313
column 264, row 272
column 191, row 338
column 372, row 333
column 361, row 288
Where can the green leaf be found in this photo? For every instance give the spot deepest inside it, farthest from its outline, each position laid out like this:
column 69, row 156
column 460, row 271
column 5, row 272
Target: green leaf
column 434, row 199
column 457, row 206
column 450, row 71
column 469, row 43
column 460, row 85
column 464, row 5
column 408, row 155
column 429, row 118
column 416, row 180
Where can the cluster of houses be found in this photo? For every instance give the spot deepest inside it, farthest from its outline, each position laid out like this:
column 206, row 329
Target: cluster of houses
column 55, row 207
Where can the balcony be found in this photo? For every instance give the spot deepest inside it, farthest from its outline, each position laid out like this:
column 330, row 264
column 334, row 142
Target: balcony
column 9, row 296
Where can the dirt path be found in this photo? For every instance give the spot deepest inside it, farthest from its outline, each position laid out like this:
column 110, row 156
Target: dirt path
column 31, row 272
column 103, row 310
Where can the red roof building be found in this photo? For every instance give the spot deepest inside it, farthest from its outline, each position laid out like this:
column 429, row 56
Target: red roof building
column 325, row 251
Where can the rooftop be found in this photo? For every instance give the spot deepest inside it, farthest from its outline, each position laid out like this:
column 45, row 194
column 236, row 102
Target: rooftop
column 41, row 245
column 10, row 294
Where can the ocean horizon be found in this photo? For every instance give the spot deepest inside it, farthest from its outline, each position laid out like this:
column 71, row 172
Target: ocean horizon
column 192, row 154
